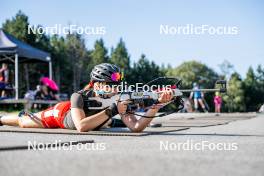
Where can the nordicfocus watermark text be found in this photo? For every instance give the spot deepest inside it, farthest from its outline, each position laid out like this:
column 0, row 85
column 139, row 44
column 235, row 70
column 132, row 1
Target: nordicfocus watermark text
column 191, row 29
column 64, row 30
column 72, row 145
column 125, row 87
column 191, row 145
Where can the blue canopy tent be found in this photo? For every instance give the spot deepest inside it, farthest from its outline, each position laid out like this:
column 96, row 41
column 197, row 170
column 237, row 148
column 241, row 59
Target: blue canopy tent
column 15, row 51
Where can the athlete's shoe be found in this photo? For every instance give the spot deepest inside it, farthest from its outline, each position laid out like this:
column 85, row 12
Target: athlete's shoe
column 21, row 113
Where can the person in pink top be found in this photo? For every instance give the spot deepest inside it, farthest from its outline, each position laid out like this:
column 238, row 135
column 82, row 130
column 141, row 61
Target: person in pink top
column 217, row 102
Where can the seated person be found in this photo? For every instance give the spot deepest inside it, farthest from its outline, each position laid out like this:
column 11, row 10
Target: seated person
column 44, row 92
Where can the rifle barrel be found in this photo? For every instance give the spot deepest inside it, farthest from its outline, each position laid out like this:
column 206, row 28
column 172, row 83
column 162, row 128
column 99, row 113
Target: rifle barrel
column 202, row 90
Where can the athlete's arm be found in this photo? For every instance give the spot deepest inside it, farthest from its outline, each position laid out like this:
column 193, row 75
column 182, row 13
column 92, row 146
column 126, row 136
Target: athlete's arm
column 81, row 122
column 139, row 125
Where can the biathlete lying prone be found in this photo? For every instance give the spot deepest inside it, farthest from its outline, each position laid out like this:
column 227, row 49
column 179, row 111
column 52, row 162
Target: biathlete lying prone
column 74, row 114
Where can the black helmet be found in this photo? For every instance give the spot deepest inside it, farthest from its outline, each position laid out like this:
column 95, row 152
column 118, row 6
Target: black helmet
column 104, row 73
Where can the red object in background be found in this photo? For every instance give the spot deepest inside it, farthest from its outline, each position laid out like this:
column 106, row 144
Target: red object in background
column 50, row 83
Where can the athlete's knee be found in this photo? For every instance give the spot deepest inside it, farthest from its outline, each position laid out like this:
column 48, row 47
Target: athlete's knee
column 21, row 123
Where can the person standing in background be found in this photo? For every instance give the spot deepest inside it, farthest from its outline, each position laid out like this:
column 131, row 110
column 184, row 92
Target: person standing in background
column 4, row 79
column 217, row 102
column 197, row 96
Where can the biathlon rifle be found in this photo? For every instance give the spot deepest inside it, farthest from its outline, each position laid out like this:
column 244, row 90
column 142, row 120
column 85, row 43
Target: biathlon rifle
column 148, row 99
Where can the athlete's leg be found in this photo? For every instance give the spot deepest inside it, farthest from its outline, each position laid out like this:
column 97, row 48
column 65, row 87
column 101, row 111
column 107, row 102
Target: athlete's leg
column 219, row 108
column 23, row 122
column 216, row 108
column 195, row 104
column 31, row 122
column 11, row 120
column 202, row 104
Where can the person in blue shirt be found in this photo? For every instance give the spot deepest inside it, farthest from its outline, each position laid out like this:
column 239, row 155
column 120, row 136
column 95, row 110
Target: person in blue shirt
column 197, row 96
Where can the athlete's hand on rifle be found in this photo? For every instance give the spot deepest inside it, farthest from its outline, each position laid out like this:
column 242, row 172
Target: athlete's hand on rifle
column 122, row 106
column 166, row 96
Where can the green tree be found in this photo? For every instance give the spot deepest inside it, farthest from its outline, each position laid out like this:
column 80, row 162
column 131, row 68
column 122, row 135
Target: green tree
column 120, row 56
column 18, row 27
column 260, row 86
column 99, row 53
column 77, row 55
column 260, row 76
column 194, row 71
column 234, row 100
column 144, row 71
column 42, row 41
column 60, row 62
column 251, row 90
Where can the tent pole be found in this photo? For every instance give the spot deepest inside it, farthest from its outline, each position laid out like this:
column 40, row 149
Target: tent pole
column 16, row 75
column 50, row 69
